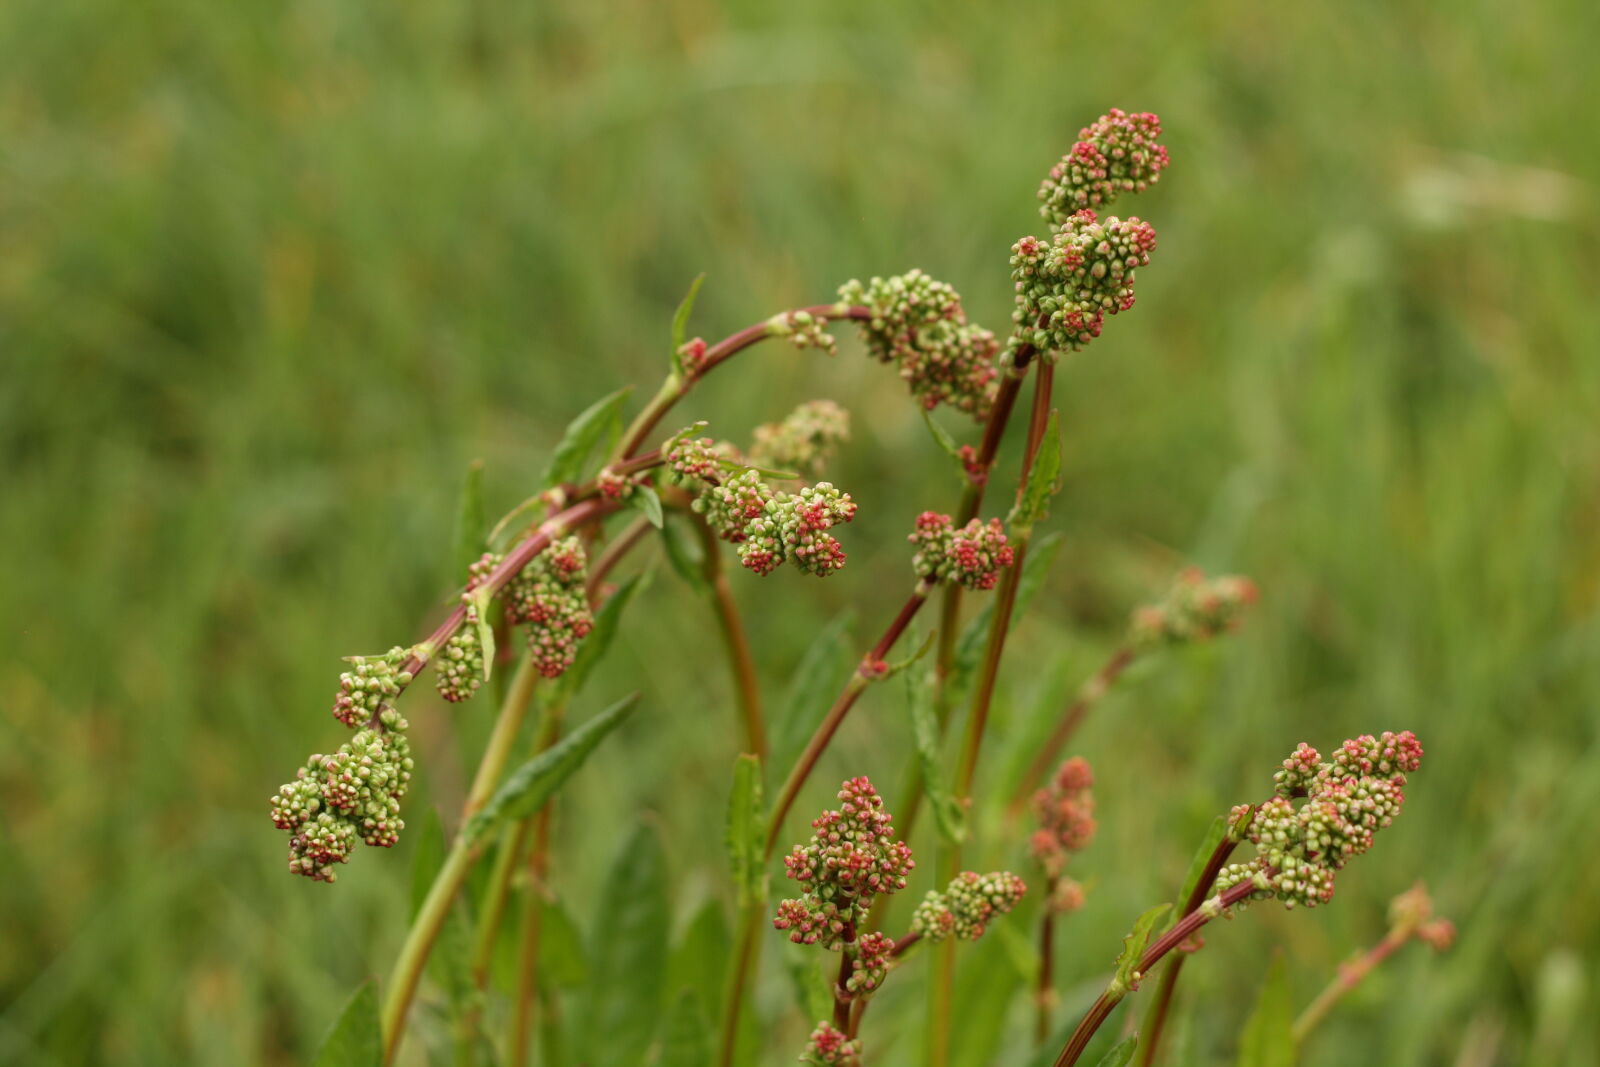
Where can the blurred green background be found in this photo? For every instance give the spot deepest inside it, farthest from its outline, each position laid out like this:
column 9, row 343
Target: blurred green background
column 272, row 274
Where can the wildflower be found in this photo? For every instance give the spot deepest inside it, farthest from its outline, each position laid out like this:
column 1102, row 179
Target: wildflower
column 967, row 905
column 1065, row 810
column 804, row 441
column 548, row 596
column 1118, row 154
column 1066, row 286
column 1196, row 609
column 369, row 684
column 829, row 1047
column 972, row 556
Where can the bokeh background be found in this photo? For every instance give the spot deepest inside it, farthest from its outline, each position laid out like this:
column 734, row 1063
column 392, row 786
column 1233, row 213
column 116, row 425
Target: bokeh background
column 273, row 273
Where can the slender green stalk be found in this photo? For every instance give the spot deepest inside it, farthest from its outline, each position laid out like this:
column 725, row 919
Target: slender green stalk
column 741, row 664
column 523, row 1017
column 746, row 954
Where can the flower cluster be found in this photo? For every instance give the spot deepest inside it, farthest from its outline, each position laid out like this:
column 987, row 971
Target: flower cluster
column 352, row 795
column 1065, row 810
column 804, row 330
column 1411, row 915
column 1066, row 286
column 804, row 441
column 830, row 1047
column 1347, row 800
column 967, row 905
column 548, row 596
column 461, row 668
column 919, row 324
column 1118, row 154
column 851, row 858
column 698, row 460
column 1196, row 609
column 369, row 684
column 871, row 963
column 974, row 555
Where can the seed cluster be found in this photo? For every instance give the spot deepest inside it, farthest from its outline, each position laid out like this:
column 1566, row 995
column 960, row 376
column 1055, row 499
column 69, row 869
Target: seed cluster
column 1196, row 609
column 1068, row 285
column 548, row 597
column 804, row 441
column 967, row 905
column 972, row 556
column 1347, row 800
column 851, row 858
column 1118, row 154
column 919, row 324
column 1065, row 811
column 349, row 796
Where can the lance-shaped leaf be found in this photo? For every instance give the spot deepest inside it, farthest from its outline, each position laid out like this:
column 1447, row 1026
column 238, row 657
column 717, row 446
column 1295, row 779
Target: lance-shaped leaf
column 1121, row 1054
column 531, row 784
column 946, row 443
column 822, row 670
column 680, row 322
column 1197, row 866
column 566, row 462
column 948, row 815
column 1133, row 946
column 1043, row 481
column 592, row 649
column 685, row 554
column 354, row 1040
column 686, row 1035
column 1268, row 1037
column 648, row 501
column 745, row 835
column 471, row 524
column 485, row 626
column 627, row 955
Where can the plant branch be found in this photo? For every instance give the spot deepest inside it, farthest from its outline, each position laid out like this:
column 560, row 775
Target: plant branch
column 1088, row 696
column 741, row 664
column 1181, row 932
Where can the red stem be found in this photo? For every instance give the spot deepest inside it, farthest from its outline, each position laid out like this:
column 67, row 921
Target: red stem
column 1087, row 697
column 1174, row 937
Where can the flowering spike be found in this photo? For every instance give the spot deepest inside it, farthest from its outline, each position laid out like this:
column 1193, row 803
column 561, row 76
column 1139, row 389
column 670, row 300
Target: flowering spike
column 1118, row 154
column 967, row 905
column 919, row 324
column 548, row 596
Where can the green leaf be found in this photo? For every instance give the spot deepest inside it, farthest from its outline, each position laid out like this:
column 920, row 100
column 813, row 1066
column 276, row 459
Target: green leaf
column 561, row 953
column 645, row 499
column 533, row 783
column 1197, row 866
column 1133, row 947
column 1122, row 1054
column 816, row 680
column 1043, row 481
column 946, row 443
column 892, row 669
column 355, row 1039
column 1268, row 1036
column 566, row 462
column 686, row 1037
column 471, row 522
column 602, row 632
column 745, row 834
column 628, row 954
column 948, row 815
column 680, row 322
column 811, row 984
column 685, row 554
column 428, row 858
column 485, row 626
column 700, row 958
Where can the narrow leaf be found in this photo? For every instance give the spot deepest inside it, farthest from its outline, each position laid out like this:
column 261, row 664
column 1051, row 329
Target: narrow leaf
column 680, row 321
column 561, row 952
column 646, row 499
column 628, row 954
column 566, row 462
column 685, row 554
column 603, row 631
column 1133, row 947
column 948, row 814
column 471, row 523
column 485, row 626
column 1268, row 1036
column 533, row 783
column 354, row 1040
column 1197, row 866
column 1122, row 1053
column 818, row 676
column 1043, row 480
column 745, row 831
column 700, row 958
column 946, row 443
column 686, row 1036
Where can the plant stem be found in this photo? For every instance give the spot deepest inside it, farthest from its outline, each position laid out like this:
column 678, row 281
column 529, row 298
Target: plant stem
column 614, row 552
column 746, row 953
column 677, row 386
column 407, row 971
column 1047, row 952
column 1089, row 695
column 532, row 930
column 841, row 991
column 1156, row 1021
column 870, row 669
column 741, row 664
column 1350, row 975
column 1153, row 955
